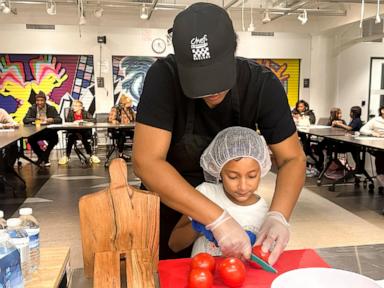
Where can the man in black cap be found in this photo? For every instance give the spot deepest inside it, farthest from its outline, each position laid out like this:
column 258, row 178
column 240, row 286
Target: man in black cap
column 187, row 99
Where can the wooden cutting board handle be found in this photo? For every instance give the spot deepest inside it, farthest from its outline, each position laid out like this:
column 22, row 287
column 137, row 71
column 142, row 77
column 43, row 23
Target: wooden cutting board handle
column 119, row 218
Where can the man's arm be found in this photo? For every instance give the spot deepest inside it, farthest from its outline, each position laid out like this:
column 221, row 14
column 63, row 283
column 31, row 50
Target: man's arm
column 291, row 163
column 150, row 150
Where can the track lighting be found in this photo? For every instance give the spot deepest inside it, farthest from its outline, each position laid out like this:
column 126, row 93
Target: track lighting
column 51, row 7
column 251, row 27
column 82, row 20
column 303, row 17
column 98, row 12
column 144, row 12
column 5, row 7
column 266, row 18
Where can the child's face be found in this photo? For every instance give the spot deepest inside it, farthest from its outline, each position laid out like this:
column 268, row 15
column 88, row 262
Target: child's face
column 240, row 180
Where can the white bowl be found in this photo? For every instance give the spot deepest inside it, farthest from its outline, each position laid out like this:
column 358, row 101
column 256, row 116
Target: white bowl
column 322, row 278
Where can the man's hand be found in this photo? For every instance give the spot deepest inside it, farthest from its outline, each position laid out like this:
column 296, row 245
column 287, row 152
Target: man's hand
column 273, row 235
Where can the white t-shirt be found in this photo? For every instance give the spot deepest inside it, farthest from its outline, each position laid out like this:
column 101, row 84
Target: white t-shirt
column 249, row 217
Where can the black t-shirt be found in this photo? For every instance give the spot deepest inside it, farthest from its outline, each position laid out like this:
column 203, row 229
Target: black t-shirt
column 261, row 95
column 355, row 124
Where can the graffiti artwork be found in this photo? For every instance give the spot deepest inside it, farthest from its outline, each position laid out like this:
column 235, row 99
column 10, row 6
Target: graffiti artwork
column 62, row 78
column 288, row 72
column 129, row 73
column 128, row 76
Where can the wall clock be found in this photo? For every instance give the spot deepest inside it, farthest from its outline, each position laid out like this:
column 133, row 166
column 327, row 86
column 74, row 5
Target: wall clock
column 159, row 45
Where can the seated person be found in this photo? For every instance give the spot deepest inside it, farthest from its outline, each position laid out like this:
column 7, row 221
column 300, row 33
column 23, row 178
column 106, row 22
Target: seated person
column 335, row 120
column 355, row 123
column 9, row 157
column 6, row 120
column 234, row 162
column 77, row 114
column 335, row 117
column 375, row 128
column 47, row 115
column 302, row 109
column 122, row 114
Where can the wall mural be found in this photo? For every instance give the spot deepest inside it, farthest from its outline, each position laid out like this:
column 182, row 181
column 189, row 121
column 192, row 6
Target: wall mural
column 62, row 78
column 129, row 73
column 128, row 76
column 288, row 72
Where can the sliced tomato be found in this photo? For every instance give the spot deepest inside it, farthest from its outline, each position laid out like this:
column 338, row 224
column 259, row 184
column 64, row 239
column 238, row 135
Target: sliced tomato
column 259, row 253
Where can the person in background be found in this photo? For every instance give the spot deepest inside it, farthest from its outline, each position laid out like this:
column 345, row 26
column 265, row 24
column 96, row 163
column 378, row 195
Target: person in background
column 355, row 123
column 122, row 114
column 187, row 99
column 375, row 128
column 6, row 120
column 78, row 114
column 8, row 158
column 47, row 115
column 234, row 162
column 335, row 117
column 302, row 109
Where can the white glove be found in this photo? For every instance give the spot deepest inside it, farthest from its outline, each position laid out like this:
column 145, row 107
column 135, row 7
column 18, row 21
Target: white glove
column 273, row 235
column 231, row 237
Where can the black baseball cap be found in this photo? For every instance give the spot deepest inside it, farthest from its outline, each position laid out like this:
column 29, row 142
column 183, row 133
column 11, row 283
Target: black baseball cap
column 204, row 42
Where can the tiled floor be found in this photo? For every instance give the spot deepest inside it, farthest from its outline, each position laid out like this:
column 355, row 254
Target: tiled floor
column 349, row 219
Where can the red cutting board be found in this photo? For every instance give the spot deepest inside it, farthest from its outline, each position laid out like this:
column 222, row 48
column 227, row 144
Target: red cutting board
column 174, row 273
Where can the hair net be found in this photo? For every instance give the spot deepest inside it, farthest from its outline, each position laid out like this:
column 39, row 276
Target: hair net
column 232, row 143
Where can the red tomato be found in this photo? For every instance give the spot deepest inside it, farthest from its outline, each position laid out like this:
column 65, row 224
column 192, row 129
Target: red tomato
column 232, row 272
column 200, row 278
column 203, row 261
column 259, row 253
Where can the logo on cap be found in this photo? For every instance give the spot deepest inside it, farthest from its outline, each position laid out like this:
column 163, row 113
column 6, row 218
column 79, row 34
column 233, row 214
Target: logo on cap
column 200, row 49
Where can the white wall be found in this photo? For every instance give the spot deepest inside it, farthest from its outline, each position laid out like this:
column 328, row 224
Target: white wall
column 323, row 75
column 353, row 75
column 133, row 41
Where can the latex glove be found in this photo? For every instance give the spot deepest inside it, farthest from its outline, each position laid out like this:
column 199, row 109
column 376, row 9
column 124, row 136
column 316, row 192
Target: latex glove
column 200, row 228
column 273, row 235
column 231, row 237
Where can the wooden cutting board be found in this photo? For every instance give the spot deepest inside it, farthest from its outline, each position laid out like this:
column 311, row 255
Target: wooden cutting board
column 119, row 219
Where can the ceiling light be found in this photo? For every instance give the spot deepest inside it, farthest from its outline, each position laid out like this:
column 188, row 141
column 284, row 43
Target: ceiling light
column 4, row 7
column 303, row 17
column 82, row 21
column 144, row 13
column 51, row 7
column 266, row 18
column 251, row 27
column 99, row 12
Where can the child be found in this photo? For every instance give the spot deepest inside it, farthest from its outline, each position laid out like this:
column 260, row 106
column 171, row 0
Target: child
column 76, row 114
column 355, row 123
column 235, row 161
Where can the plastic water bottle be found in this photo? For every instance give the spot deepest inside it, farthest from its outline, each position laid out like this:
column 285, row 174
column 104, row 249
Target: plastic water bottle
column 10, row 269
column 3, row 223
column 19, row 237
column 30, row 224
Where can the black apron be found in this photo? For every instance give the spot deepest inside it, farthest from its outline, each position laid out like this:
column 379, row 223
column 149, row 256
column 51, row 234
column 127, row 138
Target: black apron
column 185, row 155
